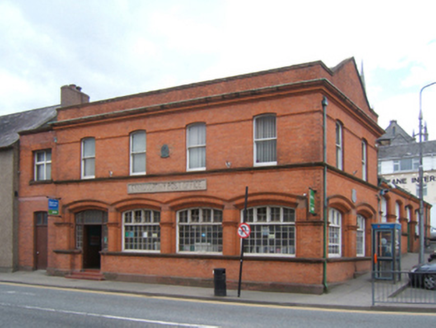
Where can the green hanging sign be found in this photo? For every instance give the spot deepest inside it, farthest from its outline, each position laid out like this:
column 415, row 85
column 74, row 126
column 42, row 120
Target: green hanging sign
column 311, row 201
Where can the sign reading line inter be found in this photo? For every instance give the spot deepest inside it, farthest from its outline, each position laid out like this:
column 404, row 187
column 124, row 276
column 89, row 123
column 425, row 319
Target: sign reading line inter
column 170, row 186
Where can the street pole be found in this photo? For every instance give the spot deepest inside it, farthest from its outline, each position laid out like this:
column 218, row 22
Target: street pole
column 421, row 181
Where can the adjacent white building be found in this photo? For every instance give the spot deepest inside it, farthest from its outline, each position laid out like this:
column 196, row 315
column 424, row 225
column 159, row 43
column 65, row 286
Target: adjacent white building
column 398, row 163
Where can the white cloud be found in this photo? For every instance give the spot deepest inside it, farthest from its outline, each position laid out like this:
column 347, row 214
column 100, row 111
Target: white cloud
column 124, row 47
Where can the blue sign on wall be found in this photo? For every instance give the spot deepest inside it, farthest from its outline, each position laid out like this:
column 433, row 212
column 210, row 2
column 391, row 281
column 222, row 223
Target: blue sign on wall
column 53, row 207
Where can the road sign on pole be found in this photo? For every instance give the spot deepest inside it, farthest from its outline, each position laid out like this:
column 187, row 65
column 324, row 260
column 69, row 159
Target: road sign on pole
column 244, row 230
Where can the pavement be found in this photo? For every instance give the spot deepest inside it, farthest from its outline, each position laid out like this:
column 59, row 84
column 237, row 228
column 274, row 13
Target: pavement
column 354, row 294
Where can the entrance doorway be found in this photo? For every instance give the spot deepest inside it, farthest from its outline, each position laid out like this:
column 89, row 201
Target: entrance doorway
column 41, row 240
column 91, row 246
column 91, row 236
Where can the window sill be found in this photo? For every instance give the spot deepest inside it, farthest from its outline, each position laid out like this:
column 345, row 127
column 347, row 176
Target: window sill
column 37, row 182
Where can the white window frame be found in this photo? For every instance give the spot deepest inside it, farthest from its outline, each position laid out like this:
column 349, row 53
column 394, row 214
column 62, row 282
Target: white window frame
column 268, row 225
column 44, row 163
column 339, row 146
column 360, row 236
column 134, row 153
column 86, row 158
column 406, row 164
column 205, row 221
column 364, row 160
column 191, row 147
column 141, row 231
column 335, row 233
column 258, row 140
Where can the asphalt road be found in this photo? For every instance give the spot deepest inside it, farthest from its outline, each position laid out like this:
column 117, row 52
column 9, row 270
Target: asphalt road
column 33, row 306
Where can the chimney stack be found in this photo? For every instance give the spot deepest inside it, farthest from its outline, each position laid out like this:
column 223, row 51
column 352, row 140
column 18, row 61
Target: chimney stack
column 73, row 95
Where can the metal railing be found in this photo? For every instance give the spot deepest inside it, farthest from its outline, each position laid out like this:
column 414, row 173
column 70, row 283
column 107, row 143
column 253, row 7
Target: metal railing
column 402, row 287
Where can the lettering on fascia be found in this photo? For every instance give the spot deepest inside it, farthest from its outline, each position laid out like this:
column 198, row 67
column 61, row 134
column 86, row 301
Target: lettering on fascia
column 170, row 186
column 429, row 178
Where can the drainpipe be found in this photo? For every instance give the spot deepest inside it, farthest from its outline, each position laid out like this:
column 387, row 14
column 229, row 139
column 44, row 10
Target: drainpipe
column 324, row 127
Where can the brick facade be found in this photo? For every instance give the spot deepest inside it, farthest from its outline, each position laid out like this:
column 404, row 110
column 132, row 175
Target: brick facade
column 227, row 108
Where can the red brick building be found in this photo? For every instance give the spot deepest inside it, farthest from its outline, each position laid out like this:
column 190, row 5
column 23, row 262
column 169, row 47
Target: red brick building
column 151, row 186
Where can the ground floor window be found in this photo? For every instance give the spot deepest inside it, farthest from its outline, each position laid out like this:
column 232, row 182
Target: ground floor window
column 141, row 230
column 360, row 236
column 335, row 222
column 200, row 230
column 272, row 230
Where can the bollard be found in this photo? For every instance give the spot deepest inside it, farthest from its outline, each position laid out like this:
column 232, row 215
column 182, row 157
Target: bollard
column 219, row 282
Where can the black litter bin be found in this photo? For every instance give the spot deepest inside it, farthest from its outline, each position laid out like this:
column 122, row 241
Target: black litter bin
column 219, row 282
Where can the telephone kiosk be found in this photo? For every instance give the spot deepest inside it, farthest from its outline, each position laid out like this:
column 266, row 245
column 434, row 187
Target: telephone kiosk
column 386, row 251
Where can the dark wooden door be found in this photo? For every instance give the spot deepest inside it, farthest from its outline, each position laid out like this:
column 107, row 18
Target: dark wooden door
column 41, row 240
column 91, row 246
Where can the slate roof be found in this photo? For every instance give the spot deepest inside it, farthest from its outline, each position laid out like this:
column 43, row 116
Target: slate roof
column 396, row 135
column 406, row 150
column 11, row 124
column 402, row 145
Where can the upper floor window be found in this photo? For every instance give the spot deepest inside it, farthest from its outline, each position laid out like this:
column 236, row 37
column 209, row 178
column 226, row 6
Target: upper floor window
column 364, row 160
column 200, row 230
column 196, row 146
column 339, row 146
column 137, row 152
column 406, row 164
column 43, row 165
column 360, row 236
column 265, row 140
column 272, row 230
column 335, row 232
column 141, row 230
column 88, row 158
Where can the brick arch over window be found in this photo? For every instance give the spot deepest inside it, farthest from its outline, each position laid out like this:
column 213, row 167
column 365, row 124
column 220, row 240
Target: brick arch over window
column 366, row 210
column 268, row 199
column 195, row 201
column 127, row 204
column 341, row 203
column 83, row 205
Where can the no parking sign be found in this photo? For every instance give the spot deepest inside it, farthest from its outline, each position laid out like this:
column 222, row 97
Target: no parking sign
column 244, row 230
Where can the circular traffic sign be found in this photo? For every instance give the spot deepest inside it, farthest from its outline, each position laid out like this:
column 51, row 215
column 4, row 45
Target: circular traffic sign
column 244, row 230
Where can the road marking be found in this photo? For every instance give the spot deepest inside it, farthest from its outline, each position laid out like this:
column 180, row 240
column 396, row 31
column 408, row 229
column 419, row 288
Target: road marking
column 107, row 316
column 18, row 293
column 231, row 303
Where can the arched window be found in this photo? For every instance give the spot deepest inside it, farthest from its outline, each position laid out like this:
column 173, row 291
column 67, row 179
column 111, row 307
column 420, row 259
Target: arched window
column 364, row 160
column 360, row 236
column 265, row 140
column 137, row 152
column 335, row 232
column 196, row 146
column 88, row 158
column 384, row 210
column 272, row 230
column 339, row 146
column 141, row 230
column 397, row 212
column 200, row 230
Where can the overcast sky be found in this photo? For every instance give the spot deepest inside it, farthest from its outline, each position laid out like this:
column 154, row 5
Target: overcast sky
column 119, row 47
